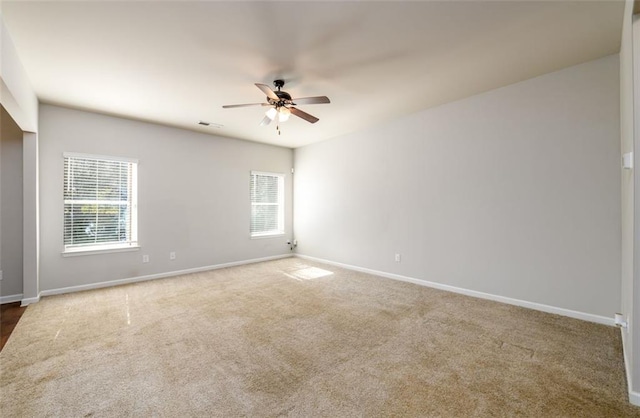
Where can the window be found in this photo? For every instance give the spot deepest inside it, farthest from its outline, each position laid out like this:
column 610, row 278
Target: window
column 267, row 204
column 100, row 203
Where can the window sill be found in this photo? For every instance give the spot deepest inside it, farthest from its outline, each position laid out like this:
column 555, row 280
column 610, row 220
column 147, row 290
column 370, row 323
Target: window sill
column 273, row 235
column 98, row 250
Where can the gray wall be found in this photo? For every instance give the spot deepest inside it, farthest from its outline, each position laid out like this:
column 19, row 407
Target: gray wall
column 514, row 192
column 10, row 205
column 193, row 196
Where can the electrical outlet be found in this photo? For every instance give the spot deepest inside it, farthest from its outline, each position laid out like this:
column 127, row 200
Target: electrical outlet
column 172, row 255
column 145, row 258
column 295, row 242
column 397, row 258
column 0, row 274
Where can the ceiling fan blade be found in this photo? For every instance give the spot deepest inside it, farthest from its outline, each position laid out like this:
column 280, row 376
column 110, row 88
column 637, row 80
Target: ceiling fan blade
column 311, row 100
column 267, row 90
column 245, row 105
column 265, row 121
column 304, row 115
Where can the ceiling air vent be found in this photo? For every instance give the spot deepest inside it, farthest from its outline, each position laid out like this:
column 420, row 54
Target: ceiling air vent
column 213, row 125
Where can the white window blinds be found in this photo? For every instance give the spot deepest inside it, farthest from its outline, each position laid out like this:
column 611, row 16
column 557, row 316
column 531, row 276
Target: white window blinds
column 100, row 203
column 267, row 204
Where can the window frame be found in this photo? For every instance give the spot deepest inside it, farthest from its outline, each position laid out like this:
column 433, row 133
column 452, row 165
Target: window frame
column 280, row 231
column 132, row 244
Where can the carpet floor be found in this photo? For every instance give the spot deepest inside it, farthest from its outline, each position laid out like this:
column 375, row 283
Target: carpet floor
column 297, row 338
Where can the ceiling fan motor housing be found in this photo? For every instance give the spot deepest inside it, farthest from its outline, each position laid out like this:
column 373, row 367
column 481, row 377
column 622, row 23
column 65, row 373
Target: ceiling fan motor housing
column 282, row 95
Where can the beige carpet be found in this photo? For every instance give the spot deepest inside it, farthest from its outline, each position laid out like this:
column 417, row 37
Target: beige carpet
column 296, row 338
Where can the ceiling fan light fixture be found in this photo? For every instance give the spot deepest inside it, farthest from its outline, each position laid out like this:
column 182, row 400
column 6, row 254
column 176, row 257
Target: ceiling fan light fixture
column 271, row 113
column 284, row 114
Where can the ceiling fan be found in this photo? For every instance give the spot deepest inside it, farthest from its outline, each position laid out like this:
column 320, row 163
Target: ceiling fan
column 281, row 104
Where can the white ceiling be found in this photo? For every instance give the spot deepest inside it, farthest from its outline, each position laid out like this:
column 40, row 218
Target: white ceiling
column 178, row 62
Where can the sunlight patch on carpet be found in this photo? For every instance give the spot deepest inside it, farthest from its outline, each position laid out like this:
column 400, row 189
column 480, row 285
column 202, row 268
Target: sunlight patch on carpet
column 309, row 273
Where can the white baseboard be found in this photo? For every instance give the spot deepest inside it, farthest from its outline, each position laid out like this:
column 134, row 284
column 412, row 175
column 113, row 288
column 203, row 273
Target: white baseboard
column 634, row 397
column 503, row 299
column 29, row 301
column 10, row 298
column 118, row 282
